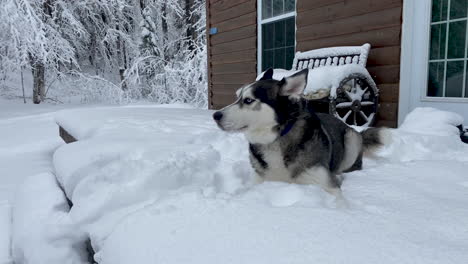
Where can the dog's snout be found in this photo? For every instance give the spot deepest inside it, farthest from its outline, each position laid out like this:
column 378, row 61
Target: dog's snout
column 217, row 115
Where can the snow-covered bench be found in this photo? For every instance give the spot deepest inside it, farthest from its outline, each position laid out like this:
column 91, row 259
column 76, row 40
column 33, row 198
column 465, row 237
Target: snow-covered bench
column 338, row 82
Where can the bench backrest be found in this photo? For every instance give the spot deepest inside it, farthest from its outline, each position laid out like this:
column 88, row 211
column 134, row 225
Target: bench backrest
column 334, row 56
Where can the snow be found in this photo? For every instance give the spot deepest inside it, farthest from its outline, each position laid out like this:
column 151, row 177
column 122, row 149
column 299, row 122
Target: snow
column 164, row 185
column 28, row 137
column 42, row 230
column 427, row 134
column 335, row 52
column 325, row 78
column 85, row 45
column 5, row 223
column 431, row 121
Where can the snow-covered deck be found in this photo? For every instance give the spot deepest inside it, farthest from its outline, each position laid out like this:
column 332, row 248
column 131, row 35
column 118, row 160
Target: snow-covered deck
column 164, row 185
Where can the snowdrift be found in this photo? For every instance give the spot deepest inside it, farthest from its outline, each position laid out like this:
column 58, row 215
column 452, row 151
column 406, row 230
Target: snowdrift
column 42, row 231
column 164, row 185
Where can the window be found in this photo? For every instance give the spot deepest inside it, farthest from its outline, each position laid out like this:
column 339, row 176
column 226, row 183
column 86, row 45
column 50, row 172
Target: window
column 447, row 75
column 277, row 34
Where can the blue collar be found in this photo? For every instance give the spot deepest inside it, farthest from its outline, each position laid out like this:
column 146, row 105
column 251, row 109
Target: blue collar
column 288, row 128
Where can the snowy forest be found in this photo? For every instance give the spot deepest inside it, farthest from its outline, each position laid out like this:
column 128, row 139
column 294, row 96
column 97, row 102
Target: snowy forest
column 115, row 51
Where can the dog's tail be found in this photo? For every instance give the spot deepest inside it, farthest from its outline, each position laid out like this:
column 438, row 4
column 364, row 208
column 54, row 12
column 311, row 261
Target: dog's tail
column 375, row 138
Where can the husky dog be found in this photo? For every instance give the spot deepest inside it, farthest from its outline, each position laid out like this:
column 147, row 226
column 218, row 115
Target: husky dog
column 289, row 142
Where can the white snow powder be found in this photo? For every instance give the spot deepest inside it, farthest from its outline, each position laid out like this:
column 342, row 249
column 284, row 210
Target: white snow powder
column 160, row 185
column 165, row 185
column 42, row 229
column 5, row 230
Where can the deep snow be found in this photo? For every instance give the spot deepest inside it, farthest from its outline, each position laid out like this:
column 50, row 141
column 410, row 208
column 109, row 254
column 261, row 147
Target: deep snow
column 164, row 185
column 28, row 138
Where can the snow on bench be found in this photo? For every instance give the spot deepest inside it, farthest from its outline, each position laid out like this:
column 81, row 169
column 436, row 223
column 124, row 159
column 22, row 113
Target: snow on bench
column 323, row 81
column 338, row 77
column 333, row 56
column 327, row 68
column 180, row 190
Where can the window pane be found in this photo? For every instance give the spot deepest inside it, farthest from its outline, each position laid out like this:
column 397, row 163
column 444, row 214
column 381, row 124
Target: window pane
column 280, row 34
column 267, row 36
column 439, row 10
column 436, row 77
column 279, row 58
column 278, row 7
column 458, row 8
column 267, row 6
column 267, row 59
column 454, row 81
column 456, row 43
column 438, row 33
column 289, row 6
column 289, row 58
column 290, row 32
column 278, row 43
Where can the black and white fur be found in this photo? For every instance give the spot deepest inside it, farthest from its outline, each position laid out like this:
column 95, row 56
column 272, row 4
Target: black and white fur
column 289, row 142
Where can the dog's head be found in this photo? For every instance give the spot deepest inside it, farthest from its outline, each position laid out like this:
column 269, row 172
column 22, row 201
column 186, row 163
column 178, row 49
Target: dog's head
column 256, row 110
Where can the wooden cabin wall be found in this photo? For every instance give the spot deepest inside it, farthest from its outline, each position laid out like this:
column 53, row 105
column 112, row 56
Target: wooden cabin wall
column 325, row 23
column 232, row 52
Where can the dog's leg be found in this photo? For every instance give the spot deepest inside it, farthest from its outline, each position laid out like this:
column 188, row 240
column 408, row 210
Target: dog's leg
column 258, row 179
column 321, row 176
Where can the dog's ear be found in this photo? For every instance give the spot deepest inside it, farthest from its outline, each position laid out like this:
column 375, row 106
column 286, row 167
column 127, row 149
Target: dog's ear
column 239, row 91
column 295, row 84
column 268, row 75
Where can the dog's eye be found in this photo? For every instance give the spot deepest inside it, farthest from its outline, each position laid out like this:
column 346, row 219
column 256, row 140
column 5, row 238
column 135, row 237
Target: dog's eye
column 248, row 101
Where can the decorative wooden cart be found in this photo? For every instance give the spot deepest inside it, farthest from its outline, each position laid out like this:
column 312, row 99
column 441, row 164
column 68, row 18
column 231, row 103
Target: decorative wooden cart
column 355, row 100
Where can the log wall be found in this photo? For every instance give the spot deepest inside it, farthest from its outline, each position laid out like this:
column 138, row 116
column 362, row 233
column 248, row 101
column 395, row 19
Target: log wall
column 232, row 58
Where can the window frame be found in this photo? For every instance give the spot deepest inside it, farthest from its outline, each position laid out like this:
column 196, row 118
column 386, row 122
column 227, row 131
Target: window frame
column 424, row 97
column 445, row 60
column 414, row 57
column 261, row 21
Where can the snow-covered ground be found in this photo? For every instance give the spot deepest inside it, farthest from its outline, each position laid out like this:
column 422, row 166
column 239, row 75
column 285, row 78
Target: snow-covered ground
column 164, row 185
column 28, row 138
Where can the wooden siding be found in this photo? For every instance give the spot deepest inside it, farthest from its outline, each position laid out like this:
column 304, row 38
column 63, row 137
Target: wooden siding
column 232, row 52
column 325, row 23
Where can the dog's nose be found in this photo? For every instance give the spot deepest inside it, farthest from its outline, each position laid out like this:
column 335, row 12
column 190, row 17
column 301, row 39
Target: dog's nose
column 217, row 115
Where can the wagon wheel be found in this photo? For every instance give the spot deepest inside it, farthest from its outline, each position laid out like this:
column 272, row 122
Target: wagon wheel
column 356, row 102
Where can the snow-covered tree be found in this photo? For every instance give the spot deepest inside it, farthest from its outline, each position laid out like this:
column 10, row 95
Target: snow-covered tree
column 33, row 39
column 172, row 65
column 110, row 50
